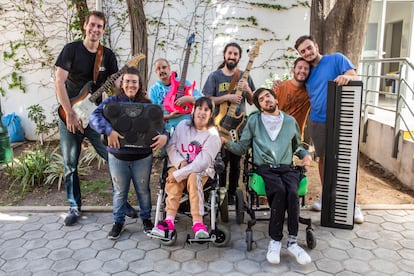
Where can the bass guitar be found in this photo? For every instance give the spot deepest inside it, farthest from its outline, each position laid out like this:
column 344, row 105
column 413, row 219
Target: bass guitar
column 84, row 104
column 178, row 89
column 227, row 121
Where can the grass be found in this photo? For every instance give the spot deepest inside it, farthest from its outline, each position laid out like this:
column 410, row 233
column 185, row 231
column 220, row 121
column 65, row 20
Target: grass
column 100, row 187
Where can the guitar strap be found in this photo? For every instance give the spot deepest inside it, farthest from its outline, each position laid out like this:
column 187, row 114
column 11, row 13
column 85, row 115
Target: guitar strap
column 233, row 81
column 98, row 61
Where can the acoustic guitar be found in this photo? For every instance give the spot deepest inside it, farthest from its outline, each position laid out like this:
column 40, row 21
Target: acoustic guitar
column 84, row 104
column 178, row 89
column 227, row 121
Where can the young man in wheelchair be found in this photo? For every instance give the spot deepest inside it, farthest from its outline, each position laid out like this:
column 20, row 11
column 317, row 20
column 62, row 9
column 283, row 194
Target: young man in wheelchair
column 191, row 153
column 275, row 137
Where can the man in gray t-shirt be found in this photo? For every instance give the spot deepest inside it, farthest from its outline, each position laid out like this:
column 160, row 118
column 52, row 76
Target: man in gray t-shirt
column 217, row 88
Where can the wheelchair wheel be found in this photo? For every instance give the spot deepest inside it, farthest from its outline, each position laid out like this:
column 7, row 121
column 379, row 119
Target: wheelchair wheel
column 169, row 242
column 310, row 239
column 249, row 239
column 224, row 209
column 239, row 206
column 222, row 234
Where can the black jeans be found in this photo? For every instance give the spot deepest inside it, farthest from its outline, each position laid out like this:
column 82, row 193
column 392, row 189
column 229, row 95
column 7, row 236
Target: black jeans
column 234, row 171
column 282, row 194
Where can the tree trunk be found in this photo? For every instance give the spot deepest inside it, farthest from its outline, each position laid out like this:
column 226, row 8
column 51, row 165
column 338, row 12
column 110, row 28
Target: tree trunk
column 340, row 26
column 82, row 11
column 139, row 41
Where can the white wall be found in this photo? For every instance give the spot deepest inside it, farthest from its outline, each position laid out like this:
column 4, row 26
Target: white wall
column 216, row 24
column 380, row 134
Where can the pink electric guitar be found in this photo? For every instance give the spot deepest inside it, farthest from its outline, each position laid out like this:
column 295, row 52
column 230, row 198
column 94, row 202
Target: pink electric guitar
column 178, row 88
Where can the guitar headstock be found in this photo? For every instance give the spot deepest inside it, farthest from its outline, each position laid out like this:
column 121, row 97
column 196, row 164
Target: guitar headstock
column 135, row 60
column 254, row 52
column 191, row 39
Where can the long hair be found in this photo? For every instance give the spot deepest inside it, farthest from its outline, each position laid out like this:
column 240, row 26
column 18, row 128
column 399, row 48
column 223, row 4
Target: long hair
column 140, row 96
column 231, row 44
column 199, row 102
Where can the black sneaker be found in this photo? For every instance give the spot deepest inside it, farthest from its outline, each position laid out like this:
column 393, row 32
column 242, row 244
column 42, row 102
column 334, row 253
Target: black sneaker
column 148, row 225
column 130, row 211
column 72, row 216
column 116, row 231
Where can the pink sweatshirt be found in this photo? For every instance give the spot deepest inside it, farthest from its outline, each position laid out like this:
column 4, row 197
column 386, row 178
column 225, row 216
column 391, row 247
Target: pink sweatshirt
column 198, row 148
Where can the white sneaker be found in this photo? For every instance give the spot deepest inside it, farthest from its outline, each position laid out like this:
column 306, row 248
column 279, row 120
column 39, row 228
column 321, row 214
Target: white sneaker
column 317, row 206
column 273, row 252
column 301, row 256
column 358, row 216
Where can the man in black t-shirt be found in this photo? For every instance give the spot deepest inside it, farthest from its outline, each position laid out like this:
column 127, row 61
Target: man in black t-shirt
column 75, row 68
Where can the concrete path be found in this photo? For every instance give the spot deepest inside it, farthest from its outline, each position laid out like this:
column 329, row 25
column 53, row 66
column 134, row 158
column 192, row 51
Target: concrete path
column 37, row 243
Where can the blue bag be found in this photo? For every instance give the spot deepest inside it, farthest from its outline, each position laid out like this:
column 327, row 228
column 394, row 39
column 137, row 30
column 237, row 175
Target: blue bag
column 14, row 127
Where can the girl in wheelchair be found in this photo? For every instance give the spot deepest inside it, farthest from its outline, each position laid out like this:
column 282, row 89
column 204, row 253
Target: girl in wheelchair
column 191, row 153
column 274, row 138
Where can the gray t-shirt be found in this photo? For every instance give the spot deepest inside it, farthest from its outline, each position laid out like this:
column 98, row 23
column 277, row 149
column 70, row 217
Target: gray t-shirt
column 217, row 84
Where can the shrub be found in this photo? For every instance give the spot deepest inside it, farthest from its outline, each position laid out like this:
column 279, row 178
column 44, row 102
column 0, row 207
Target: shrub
column 30, row 167
column 41, row 166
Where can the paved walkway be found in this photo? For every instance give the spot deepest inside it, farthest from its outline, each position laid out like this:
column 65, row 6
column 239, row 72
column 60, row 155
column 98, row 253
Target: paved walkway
column 37, row 243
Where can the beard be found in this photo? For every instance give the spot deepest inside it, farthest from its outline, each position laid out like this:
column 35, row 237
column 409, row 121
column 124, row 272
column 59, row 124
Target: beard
column 299, row 78
column 231, row 66
column 312, row 60
column 270, row 109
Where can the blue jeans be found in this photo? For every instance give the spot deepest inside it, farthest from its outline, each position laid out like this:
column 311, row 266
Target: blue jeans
column 70, row 145
column 122, row 172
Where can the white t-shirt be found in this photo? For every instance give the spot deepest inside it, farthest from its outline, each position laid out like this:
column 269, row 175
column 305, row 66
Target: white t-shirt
column 273, row 124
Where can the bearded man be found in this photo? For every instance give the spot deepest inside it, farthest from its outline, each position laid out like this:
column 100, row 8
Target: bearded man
column 217, row 87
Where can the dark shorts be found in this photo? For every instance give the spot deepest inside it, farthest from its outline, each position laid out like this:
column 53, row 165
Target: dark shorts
column 318, row 136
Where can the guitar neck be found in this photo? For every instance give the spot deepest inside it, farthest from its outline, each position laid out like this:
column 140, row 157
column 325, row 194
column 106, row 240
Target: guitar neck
column 108, row 84
column 181, row 87
column 233, row 106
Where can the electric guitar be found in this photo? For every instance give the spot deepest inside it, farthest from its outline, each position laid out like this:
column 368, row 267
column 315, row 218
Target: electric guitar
column 178, row 89
column 227, row 121
column 84, row 104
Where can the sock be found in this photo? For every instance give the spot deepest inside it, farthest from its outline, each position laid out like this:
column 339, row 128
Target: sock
column 171, row 218
column 292, row 240
column 195, row 222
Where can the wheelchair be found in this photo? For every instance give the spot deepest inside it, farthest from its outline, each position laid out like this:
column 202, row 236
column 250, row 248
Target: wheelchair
column 250, row 202
column 215, row 204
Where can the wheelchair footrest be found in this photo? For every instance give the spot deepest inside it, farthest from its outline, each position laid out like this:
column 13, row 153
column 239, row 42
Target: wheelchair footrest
column 190, row 240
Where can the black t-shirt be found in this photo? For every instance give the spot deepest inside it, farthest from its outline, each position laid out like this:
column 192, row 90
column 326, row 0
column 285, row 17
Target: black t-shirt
column 79, row 62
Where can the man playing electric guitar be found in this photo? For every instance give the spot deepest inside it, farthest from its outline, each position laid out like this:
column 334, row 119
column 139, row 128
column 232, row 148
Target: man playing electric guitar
column 75, row 66
column 217, row 88
column 159, row 90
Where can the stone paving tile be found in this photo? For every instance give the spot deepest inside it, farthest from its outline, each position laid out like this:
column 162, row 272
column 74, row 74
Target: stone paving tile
column 39, row 244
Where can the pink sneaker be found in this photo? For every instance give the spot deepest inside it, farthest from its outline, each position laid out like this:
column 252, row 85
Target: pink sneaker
column 163, row 228
column 200, row 231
